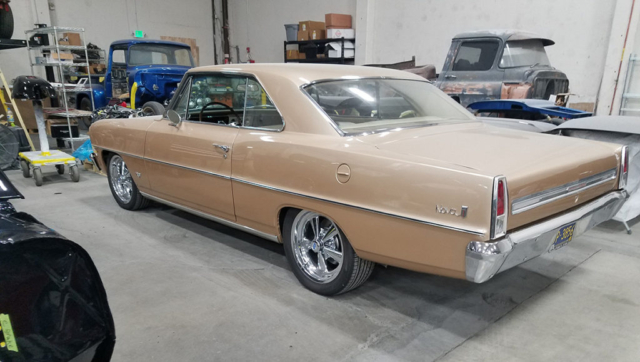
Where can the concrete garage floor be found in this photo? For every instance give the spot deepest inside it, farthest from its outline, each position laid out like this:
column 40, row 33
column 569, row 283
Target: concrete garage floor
column 182, row 288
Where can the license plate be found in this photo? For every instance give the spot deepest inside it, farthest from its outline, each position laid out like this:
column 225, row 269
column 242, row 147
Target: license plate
column 564, row 236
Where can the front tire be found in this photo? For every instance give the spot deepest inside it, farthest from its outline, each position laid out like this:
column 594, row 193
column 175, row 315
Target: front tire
column 37, row 176
column 75, row 174
column 153, row 109
column 320, row 254
column 122, row 187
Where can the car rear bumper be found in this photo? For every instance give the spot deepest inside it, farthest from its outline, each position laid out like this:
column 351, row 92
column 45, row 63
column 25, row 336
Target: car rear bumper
column 485, row 259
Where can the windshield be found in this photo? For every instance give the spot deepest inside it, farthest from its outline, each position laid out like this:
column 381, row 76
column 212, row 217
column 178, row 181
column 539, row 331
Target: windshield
column 524, row 53
column 373, row 105
column 158, row 54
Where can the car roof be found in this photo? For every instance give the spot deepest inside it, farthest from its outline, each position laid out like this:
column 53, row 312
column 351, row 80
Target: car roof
column 301, row 74
column 282, row 84
column 149, row 41
column 505, row 35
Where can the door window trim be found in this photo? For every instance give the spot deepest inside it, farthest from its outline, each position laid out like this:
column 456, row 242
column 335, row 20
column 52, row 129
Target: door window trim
column 189, row 77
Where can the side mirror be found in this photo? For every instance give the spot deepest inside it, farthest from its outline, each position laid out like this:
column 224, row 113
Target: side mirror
column 174, row 118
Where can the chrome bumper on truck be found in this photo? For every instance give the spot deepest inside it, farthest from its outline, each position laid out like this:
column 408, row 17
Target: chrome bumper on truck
column 486, row 259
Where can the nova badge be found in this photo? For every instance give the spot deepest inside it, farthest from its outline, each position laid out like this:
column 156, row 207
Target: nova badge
column 451, row 211
column 155, row 87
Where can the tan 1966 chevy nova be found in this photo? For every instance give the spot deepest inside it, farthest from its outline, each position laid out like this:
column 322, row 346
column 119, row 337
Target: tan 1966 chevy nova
column 351, row 166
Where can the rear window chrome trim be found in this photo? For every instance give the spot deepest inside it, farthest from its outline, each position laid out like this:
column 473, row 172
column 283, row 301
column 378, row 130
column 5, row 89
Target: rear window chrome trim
column 541, row 198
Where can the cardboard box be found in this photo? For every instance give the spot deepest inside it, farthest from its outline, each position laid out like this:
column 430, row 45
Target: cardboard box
column 63, row 57
column 303, row 35
column 302, row 56
column 73, row 38
column 311, row 25
column 342, row 21
column 335, row 50
column 341, row 33
column 26, row 111
column 317, row 34
column 293, row 54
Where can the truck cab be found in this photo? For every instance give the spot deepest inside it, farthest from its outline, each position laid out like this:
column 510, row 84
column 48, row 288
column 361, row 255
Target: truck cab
column 148, row 70
column 500, row 64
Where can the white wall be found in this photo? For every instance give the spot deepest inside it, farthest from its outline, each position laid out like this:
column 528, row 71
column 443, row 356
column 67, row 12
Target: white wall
column 424, row 28
column 108, row 20
column 259, row 24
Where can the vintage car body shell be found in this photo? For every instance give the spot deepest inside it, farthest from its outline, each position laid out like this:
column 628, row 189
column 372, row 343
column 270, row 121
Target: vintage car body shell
column 387, row 209
column 499, row 83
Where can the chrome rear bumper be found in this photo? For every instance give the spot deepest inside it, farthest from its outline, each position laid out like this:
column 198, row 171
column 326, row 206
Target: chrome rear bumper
column 486, row 259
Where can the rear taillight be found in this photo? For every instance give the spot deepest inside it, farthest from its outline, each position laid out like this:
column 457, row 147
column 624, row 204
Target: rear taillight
column 499, row 208
column 624, row 167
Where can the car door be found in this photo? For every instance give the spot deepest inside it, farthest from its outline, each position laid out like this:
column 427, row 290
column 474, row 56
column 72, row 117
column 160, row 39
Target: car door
column 190, row 163
column 472, row 74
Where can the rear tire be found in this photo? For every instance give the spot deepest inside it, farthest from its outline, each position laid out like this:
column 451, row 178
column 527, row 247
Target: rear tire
column 37, row 176
column 340, row 269
column 85, row 105
column 60, row 169
column 122, row 186
column 153, row 109
column 6, row 22
column 26, row 172
column 75, row 174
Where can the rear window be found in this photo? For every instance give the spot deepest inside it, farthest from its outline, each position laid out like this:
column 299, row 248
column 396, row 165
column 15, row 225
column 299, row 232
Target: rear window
column 374, row 105
column 476, row 55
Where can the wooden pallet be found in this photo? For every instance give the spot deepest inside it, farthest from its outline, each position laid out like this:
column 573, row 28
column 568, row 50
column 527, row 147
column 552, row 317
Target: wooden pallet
column 89, row 166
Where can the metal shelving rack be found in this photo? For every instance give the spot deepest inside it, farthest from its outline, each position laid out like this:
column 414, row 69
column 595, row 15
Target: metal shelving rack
column 55, row 32
column 320, row 43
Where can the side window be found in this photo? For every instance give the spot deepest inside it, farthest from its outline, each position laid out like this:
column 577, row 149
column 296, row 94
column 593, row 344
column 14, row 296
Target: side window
column 217, row 98
column 476, row 55
column 118, row 56
column 182, row 100
column 259, row 109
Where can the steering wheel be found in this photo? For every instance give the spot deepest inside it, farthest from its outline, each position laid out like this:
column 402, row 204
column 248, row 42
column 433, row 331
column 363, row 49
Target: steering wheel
column 349, row 103
column 222, row 104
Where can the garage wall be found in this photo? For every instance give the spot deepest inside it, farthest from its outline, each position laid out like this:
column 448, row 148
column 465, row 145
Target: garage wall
column 259, row 24
column 424, row 28
column 106, row 21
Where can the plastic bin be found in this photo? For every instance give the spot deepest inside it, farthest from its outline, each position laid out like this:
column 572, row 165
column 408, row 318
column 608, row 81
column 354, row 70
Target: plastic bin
column 292, row 31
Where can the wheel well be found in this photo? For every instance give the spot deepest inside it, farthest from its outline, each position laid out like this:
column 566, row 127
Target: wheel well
column 105, row 157
column 281, row 215
column 79, row 100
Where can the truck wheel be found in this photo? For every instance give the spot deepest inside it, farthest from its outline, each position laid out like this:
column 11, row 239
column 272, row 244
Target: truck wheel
column 85, row 105
column 6, row 22
column 153, row 109
column 26, row 172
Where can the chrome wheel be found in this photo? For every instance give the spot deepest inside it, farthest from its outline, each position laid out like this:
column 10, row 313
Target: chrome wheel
column 317, row 246
column 120, row 179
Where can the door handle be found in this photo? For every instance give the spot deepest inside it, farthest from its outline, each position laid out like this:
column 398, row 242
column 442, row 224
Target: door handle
column 222, row 147
column 450, row 76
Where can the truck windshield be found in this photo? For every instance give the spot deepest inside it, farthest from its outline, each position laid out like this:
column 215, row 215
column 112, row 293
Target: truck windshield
column 375, row 105
column 524, row 53
column 156, row 54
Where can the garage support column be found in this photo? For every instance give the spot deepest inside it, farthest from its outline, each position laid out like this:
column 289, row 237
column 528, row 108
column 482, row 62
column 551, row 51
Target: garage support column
column 40, row 10
column 365, row 20
column 612, row 86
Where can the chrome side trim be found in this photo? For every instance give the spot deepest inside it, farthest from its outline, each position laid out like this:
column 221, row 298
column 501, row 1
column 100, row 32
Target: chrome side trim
column 188, row 168
column 479, row 233
column 213, row 218
column 118, row 152
column 547, row 196
column 453, row 228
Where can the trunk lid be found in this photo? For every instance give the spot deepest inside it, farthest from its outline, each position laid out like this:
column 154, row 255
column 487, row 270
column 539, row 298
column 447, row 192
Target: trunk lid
column 533, row 163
